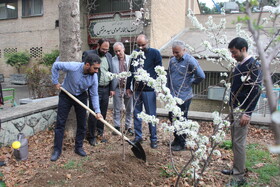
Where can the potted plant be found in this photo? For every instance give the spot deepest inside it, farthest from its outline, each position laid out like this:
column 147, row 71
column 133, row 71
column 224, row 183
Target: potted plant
column 17, row 60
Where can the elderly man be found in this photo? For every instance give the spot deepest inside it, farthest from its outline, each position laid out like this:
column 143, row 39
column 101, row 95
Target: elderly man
column 144, row 94
column 245, row 93
column 121, row 64
column 104, row 90
column 80, row 78
column 183, row 72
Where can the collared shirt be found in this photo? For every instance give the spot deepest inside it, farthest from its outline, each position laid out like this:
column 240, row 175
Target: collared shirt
column 104, row 68
column 245, row 59
column 76, row 82
column 182, row 74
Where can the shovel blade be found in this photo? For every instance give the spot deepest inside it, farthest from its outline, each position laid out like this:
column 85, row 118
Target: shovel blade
column 138, row 150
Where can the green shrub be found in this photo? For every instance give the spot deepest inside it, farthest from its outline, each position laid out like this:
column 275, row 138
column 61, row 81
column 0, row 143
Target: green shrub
column 49, row 58
column 39, row 81
column 17, row 59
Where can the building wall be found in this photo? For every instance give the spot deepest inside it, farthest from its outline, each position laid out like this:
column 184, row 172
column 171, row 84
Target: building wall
column 25, row 33
column 167, row 20
column 193, row 5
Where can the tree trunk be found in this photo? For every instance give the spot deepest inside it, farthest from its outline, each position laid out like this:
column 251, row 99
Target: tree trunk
column 70, row 45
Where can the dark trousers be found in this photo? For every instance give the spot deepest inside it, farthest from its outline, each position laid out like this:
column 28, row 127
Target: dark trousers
column 180, row 139
column 94, row 124
column 64, row 105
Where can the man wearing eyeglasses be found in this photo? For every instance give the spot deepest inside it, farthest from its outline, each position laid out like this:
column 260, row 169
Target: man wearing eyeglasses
column 80, row 78
column 104, row 90
column 144, row 94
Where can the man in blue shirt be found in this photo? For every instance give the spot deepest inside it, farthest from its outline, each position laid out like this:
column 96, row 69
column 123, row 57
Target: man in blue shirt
column 183, row 72
column 80, row 77
column 143, row 93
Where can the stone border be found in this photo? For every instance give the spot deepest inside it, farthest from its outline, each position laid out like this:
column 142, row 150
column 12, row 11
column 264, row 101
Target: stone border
column 28, row 119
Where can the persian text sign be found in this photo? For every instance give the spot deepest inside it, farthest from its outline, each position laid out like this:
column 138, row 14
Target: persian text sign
column 98, row 29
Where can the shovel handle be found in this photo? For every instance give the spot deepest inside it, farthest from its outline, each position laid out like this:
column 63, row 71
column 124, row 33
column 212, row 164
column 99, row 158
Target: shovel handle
column 94, row 114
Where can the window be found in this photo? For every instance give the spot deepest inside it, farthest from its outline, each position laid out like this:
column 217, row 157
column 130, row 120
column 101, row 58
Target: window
column 105, row 6
column 32, row 8
column 8, row 9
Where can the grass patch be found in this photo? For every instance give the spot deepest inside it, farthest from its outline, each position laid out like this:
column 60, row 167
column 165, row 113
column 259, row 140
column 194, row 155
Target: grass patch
column 76, row 164
column 167, row 171
column 259, row 161
column 227, row 144
column 72, row 164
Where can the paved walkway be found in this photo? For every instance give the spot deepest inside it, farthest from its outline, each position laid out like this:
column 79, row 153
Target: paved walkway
column 257, row 119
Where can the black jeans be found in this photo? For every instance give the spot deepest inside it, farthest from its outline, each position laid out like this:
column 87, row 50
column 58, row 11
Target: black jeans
column 180, row 139
column 64, row 105
column 94, row 124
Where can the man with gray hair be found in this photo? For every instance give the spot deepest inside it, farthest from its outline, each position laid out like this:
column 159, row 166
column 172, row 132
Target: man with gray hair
column 183, row 72
column 120, row 64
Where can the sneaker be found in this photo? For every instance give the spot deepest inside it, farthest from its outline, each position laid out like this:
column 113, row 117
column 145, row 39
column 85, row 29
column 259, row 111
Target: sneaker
column 114, row 133
column 236, row 182
column 130, row 132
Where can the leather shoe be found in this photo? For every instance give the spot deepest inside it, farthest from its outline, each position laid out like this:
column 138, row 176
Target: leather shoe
column 140, row 140
column 92, row 142
column 177, row 148
column 154, row 145
column 80, row 151
column 55, row 155
column 227, row 172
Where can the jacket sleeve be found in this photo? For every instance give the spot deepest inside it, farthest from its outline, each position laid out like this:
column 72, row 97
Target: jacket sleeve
column 93, row 92
column 199, row 74
column 255, row 89
column 129, row 79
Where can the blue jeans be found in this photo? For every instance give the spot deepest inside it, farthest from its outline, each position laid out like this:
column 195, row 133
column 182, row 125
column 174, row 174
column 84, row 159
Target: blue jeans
column 64, row 105
column 149, row 101
column 180, row 139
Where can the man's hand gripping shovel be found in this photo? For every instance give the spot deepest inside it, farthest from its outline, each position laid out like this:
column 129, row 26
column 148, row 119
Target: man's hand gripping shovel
column 137, row 149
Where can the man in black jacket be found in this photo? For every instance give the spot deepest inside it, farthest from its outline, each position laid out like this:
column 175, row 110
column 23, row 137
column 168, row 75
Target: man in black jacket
column 245, row 93
column 104, row 89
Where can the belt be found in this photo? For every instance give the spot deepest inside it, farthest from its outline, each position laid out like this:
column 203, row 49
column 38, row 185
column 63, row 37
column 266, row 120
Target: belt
column 101, row 86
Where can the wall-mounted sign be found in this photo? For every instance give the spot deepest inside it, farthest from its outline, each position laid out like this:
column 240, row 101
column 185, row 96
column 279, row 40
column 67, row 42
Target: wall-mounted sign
column 113, row 28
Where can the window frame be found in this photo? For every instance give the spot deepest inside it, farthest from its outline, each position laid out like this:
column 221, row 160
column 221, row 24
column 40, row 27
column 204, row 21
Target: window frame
column 31, row 14
column 6, row 3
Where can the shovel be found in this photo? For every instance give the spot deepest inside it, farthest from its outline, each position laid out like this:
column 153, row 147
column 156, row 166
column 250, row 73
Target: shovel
column 137, row 149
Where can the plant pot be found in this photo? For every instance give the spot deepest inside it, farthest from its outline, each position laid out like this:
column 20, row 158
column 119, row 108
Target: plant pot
column 18, row 79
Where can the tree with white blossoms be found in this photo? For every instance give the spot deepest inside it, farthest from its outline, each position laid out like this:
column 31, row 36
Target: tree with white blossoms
column 201, row 147
column 267, row 44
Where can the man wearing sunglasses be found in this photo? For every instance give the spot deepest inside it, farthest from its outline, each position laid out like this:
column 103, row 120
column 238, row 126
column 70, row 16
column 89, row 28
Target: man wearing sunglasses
column 95, row 127
column 80, row 78
column 144, row 94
